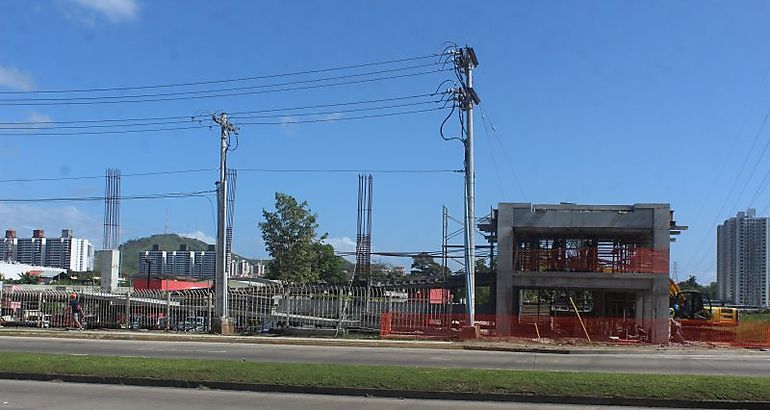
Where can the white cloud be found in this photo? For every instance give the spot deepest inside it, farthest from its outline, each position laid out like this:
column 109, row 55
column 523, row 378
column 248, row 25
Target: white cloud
column 199, row 235
column 25, row 218
column 16, row 79
column 289, row 124
column 332, row 116
column 343, row 244
column 115, row 10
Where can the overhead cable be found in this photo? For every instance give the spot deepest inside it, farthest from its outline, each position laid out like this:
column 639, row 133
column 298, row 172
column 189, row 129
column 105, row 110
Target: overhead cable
column 231, row 80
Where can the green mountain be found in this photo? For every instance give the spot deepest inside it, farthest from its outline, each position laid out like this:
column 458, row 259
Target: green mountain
column 130, row 250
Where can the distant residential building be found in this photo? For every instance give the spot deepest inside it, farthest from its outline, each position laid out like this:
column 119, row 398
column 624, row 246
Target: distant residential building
column 182, row 262
column 153, row 261
column 66, row 252
column 205, row 265
column 243, row 267
column 742, row 260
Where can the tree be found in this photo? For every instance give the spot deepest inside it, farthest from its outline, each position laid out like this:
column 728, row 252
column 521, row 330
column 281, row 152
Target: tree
column 384, row 273
column 425, row 267
column 290, row 234
column 28, row 279
column 326, row 264
column 710, row 291
column 690, row 284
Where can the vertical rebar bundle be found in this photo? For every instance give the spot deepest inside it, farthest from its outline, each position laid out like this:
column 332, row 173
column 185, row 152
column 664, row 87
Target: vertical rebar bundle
column 112, row 209
column 231, row 176
column 364, row 229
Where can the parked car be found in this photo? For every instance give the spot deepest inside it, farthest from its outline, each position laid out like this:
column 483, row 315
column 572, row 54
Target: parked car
column 191, row 324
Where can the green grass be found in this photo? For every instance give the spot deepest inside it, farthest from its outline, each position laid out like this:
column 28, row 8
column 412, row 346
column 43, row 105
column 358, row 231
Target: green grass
column 400, row 378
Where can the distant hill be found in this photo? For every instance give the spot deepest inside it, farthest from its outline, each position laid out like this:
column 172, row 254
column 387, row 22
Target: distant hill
column 129, row 251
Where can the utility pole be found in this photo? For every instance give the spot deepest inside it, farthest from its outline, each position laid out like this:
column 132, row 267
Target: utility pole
column 221, row 320
column 465, row 61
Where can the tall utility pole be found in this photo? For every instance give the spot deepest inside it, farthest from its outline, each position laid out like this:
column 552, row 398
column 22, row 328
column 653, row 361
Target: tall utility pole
column 465, row 61
column 222, row 322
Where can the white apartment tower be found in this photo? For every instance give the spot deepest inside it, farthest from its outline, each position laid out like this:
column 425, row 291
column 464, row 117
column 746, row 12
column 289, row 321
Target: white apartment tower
column 742, row 260
column 66, row 252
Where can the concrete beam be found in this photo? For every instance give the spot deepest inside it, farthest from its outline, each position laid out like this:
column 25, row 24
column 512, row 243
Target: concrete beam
column 585, row 280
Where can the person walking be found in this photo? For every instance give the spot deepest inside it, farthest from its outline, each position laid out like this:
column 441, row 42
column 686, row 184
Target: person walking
column 76, row 310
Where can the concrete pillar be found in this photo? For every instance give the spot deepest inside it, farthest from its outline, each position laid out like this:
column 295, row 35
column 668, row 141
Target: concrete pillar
column 639, row 308
column 504, row 292
column 110, row 269
column 659, row 308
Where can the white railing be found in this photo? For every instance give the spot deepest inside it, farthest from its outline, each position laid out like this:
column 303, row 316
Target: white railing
column 254, row 309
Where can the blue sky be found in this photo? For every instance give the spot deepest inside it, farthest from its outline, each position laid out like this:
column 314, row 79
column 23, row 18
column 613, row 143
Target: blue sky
column 592, row 102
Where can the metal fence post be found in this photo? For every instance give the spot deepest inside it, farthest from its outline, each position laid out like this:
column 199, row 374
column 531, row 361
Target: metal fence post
column 208, row 303
column 128, row 310
column 40, row 309
column 287, row 297
column 168, row 309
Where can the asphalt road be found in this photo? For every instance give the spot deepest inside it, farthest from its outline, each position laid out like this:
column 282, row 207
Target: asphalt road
column 741, row 363
column 73, row 396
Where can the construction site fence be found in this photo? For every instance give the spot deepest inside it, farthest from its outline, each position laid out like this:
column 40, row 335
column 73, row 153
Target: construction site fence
column 252, row 310
column 567, row 327
column 392, row 312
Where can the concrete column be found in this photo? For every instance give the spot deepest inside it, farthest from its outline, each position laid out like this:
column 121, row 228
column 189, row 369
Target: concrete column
column 659, row 315
column 504, row 291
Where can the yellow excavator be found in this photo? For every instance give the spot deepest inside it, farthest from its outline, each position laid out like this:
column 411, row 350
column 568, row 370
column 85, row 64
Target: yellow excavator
column 687, row 306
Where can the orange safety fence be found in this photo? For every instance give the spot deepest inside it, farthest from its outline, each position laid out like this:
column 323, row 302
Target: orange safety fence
column 566, row 327
column 592, row 259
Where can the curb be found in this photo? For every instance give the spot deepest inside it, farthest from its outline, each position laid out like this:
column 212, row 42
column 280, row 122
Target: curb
column 173, row 337
column 301, row 342
column 406, row 394
column 229, row 339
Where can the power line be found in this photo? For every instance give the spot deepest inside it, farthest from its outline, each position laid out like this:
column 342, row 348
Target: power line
column 282, row 122
column 104, row 132
column 169, row 195
column 232, row 80
column 217, row 90
column 201, row 119
column 706, row 235
column 207, row 115
column 360, row 117
column 210, row 94
column 503, row 152
column 743, row 190
column 350, row 170
column 246, row 170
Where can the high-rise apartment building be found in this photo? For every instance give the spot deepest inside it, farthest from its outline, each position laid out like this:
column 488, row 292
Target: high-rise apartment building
column 66, row 252
column 742, row 260
column 182, row 262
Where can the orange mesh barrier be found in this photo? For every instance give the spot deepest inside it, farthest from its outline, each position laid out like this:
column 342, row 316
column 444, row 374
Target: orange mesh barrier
column 592, row 259
column 568, row 328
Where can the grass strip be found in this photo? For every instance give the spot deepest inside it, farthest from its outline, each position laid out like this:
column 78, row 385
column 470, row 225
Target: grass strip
column 610, row 385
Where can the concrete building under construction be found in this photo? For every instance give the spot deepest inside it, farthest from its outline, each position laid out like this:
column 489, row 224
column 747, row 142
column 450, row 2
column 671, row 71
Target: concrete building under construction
column 617, row 253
